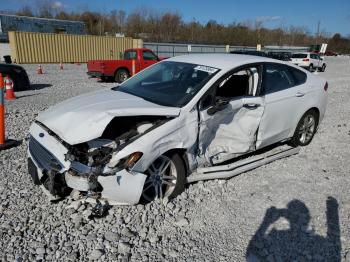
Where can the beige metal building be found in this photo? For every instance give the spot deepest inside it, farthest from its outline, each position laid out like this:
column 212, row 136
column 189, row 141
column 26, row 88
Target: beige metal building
column 28, row 48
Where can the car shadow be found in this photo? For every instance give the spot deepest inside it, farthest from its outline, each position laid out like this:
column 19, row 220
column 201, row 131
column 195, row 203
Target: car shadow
column 298, row 243
column 22, row 96
column 39, row 86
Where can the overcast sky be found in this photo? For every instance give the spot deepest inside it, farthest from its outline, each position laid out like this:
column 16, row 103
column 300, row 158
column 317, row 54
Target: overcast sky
column 334, row 15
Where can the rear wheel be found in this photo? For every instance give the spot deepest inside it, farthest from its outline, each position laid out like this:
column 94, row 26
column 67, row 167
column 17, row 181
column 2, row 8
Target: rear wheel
column 121, row 75
column 166, row 178
column 311, row 68
column 306, row 129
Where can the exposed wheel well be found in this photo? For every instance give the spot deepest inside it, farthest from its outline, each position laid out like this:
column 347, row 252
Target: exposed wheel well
column 315, row 109
column 182, row 153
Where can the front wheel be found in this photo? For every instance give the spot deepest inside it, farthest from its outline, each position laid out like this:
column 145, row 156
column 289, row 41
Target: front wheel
column 323, row 68
column 166, row 178
column 305, row 130
column 121, row 75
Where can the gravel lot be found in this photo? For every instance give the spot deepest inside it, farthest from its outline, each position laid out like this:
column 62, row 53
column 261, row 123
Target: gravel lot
column 211, row 221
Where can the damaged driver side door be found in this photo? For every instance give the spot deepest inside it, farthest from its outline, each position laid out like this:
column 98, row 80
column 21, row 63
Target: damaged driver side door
column 230, row 115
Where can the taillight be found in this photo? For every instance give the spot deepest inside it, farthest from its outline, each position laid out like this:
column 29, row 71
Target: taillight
column 306, row 59
column 325, row 86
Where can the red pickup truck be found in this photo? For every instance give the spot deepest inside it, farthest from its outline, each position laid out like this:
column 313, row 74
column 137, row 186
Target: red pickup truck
column 120, row 70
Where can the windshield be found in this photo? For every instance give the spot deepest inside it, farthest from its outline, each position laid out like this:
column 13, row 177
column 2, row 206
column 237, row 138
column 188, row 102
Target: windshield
column 299, row 56
column 168, row 83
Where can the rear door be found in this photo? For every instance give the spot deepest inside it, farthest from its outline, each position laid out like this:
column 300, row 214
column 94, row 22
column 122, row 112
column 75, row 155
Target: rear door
column 319, row 61
column 230, row 114
column 284, row 98
column 314, row 60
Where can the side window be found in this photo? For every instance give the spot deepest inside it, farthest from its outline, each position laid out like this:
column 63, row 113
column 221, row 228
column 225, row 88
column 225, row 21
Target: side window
column 244, row 82
column 276, row 78
column 147, row 55
column 313, row 56
column 299, row 76
column 130, row 55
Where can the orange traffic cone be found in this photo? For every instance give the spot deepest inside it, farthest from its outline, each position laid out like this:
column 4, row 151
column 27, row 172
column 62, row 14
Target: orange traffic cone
column 4, row 143
column 39, row 71
column 61, row 66
column 133, row 67
column 10, row 94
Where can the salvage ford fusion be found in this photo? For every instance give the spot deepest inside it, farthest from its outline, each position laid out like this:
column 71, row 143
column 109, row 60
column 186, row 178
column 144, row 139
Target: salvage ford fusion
column 183, row 116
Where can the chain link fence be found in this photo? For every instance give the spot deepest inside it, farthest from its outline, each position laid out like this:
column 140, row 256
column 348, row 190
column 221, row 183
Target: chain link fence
column 169, row 49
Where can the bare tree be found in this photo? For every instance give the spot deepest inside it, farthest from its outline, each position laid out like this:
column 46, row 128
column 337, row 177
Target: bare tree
column 152, row 25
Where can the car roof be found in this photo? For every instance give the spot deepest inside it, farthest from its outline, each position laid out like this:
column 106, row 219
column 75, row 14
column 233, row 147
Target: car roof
column 3, row 65
column 221, row 61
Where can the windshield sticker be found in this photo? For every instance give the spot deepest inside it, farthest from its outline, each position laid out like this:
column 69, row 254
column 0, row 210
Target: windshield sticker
column 207, row 69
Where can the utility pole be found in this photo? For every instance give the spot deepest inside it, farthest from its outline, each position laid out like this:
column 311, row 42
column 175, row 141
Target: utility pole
column 318, row 32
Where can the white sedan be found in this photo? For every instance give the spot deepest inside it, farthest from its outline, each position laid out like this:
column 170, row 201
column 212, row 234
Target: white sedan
column 143, row 139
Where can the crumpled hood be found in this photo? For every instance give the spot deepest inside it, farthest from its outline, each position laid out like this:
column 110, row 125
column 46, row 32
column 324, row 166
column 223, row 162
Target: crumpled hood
column 85, row 117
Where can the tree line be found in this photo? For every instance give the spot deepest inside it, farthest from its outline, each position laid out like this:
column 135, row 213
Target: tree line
column 155, row 26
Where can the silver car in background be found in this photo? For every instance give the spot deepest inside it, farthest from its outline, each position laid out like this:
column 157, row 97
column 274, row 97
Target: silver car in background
column 143, row 139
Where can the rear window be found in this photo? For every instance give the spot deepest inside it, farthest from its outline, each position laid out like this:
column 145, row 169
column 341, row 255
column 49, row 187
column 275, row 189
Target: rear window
column 299, row 56
column 299, row 76
column 276, row 78
column 129, row 55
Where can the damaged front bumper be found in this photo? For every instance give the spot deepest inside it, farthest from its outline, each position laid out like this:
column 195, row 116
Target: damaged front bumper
column 56, row 176
column 124, row 187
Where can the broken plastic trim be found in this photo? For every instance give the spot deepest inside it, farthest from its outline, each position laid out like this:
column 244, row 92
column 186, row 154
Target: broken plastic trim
column 231, row 170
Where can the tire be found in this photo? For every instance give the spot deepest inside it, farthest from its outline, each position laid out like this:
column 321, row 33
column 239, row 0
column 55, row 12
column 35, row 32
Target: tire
column 17, row 85
column 169, row 183
column 311, row 68
column 323, row 68
column 121, row 75
column 303, row 135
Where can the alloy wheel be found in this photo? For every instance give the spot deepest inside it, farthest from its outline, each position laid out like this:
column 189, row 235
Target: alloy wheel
column 307, row 129
column 161, row 180
column 123, row 76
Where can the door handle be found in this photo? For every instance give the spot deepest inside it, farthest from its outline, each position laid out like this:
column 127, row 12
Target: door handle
column 251, row 105
column 299, row 94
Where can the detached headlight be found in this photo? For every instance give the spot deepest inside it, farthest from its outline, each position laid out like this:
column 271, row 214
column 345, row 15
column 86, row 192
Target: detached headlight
column 132, row 159
column 129, row 161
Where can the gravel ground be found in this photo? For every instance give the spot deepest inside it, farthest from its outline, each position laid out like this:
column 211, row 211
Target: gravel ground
column 294, row 209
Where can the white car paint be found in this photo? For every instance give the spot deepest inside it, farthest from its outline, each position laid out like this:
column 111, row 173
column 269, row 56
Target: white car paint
column 232, row 132
column 93, row 111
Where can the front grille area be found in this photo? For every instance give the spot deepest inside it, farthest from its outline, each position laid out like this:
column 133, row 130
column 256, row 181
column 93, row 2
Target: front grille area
column 41, row 155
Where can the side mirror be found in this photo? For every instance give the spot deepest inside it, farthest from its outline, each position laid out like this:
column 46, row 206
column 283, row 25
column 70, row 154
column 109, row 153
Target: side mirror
column 220, row 105
column 116, row 86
